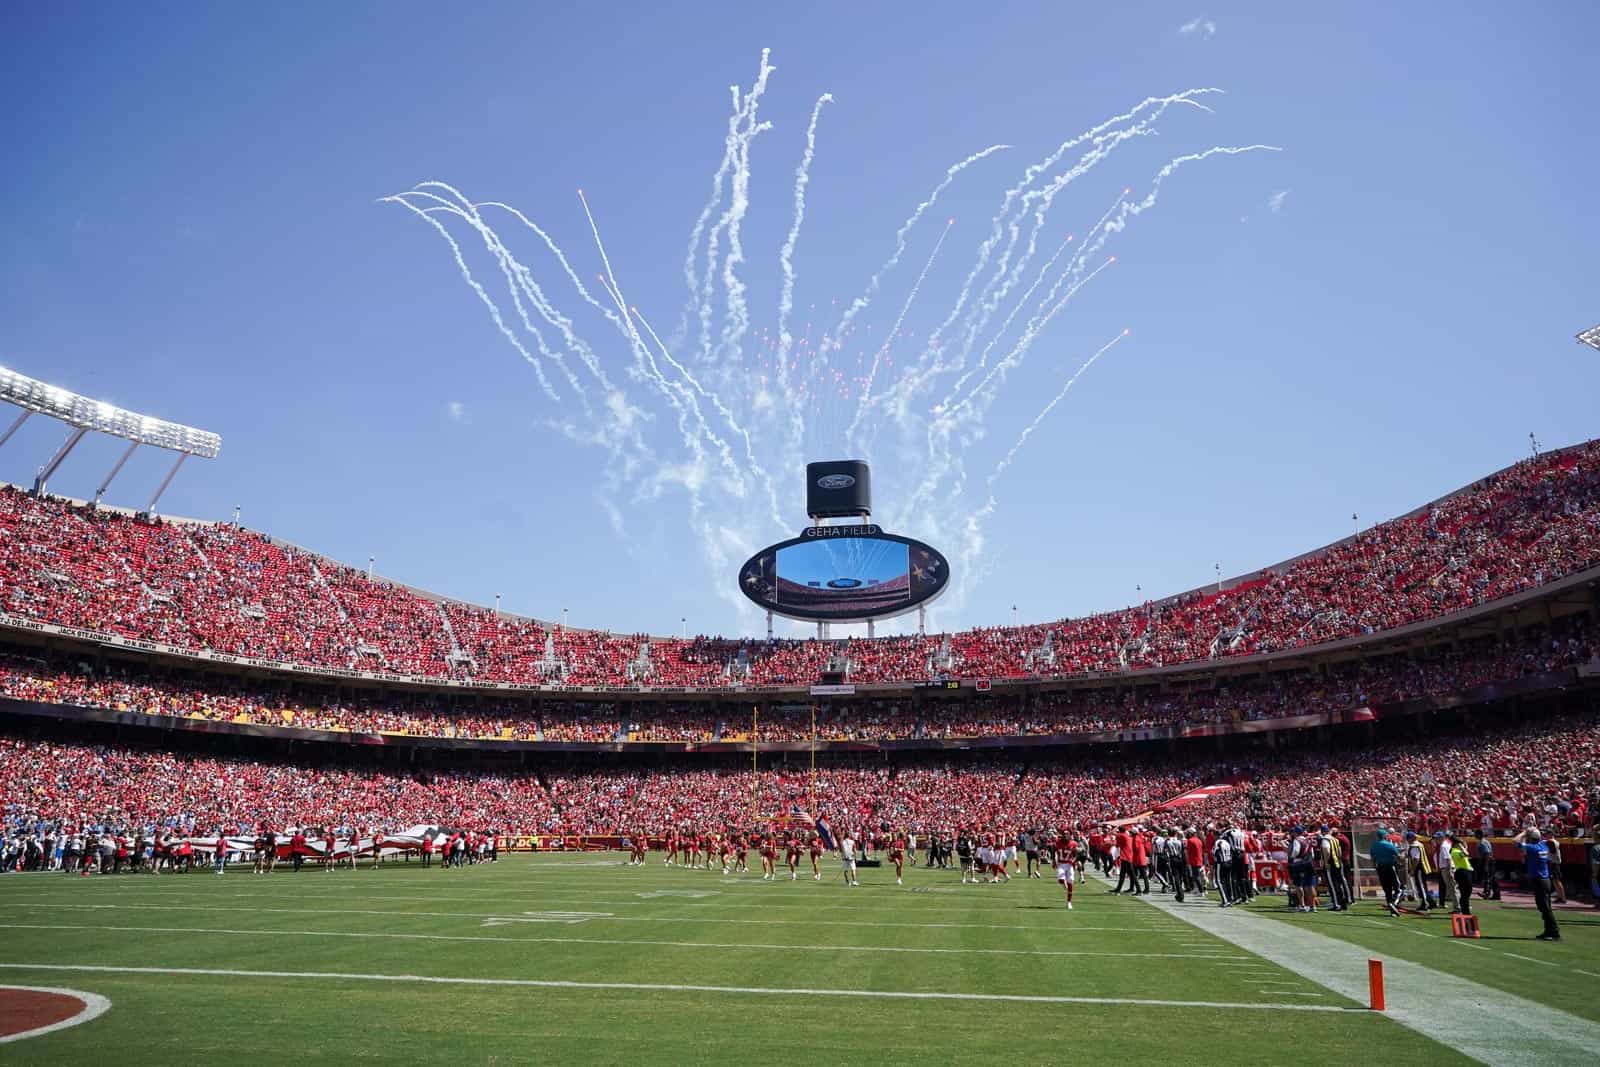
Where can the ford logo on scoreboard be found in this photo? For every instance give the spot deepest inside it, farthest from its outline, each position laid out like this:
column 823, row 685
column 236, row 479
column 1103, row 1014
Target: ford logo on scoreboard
column 835, row 481
column 851, row 578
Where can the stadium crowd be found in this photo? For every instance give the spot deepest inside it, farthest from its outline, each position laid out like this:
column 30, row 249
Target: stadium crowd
column 1494, row 777
column 223, row 588
column 66, row 678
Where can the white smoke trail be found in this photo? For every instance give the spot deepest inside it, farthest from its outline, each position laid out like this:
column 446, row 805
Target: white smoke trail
column 738, row 204
column 1028, row 176
column 494, row 310
column 737, row 323
column 519, row 288
column 756, row 467
column 676, row 394
column 877, row 357
column 729, row 150
column 972, row 543
column 1028, row 431
column 1095, row 242
column 471, row 213
column 1016, row 309
column 734, row 419
column 970, row 410
column 860, row 303
column 802, row 178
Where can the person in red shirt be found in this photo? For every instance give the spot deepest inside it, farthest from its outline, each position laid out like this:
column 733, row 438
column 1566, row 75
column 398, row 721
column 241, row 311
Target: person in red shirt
column 768, row 850
column 1066, row 861
column 297, row 848
column 1143, row 840
column 327, row 851
column 791, row 855
column 897, row 853
column 1194, row 857
column 1123, row 844
column 815, row 850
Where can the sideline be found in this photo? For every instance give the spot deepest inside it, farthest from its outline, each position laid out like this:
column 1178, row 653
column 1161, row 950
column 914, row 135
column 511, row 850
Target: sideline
column 1486, row 1024
column 647, row 987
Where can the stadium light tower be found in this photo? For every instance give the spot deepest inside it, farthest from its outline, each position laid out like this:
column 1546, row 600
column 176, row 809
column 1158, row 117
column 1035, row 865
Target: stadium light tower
column 1590, row 337
column 84, row 415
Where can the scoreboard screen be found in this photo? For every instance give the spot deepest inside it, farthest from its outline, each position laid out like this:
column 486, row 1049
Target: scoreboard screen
column 844, row 574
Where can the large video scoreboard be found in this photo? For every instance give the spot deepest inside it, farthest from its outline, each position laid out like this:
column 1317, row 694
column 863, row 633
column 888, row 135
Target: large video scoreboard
column 844, row 574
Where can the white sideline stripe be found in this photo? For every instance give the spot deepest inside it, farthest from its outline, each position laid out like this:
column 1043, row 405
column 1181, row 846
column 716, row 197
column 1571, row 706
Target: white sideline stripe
column 94, row 1006
column 680, row 919
column 623, row 941
column 1481, row 1022
column 648, row 987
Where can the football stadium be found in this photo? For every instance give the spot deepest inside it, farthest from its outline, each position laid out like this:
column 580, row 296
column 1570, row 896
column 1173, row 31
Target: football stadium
column 1339, row 805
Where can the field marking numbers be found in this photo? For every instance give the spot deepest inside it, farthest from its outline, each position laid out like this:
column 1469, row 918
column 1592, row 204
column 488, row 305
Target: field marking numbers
column 570, row 918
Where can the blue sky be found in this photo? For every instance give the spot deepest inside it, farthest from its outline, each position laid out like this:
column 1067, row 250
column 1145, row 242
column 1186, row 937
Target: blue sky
column 1368, row 318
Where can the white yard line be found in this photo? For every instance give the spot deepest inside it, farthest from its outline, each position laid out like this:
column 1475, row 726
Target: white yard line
column 206, row 972
column 1484, row 1023
column 679, row 919
column 206, row 931
column 811, row 906
column 1530, row 959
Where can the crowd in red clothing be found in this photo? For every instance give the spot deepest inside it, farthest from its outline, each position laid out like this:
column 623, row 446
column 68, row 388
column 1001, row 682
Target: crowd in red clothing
column 223, row 588
column 1492, row 777
column 65, row 678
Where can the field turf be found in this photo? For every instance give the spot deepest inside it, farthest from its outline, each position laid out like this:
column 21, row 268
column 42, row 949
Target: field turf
column 582, row 958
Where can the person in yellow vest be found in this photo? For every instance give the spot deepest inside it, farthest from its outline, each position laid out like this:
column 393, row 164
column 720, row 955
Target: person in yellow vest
column 1461, row 868
column 1418, row 868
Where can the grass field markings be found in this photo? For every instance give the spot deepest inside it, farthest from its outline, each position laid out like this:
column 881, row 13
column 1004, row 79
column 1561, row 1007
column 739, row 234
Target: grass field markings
column 650, row 987
column 1591, row 974
column 1478, row 1021
column 391, row 935
column 94, row 1005
column 766, row 905
column 389, row 914
column 1530, row 959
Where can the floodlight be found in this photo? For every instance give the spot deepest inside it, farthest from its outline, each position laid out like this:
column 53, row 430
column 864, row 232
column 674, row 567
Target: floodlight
column 98, row 416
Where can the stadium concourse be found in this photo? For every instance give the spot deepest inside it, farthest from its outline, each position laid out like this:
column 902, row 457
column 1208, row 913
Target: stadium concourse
column 177, row 694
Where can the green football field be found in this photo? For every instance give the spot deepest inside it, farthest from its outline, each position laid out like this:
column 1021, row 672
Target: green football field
column 578, row 956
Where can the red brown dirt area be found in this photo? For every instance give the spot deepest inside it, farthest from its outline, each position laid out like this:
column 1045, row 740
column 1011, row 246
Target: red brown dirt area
column 23, row 1010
